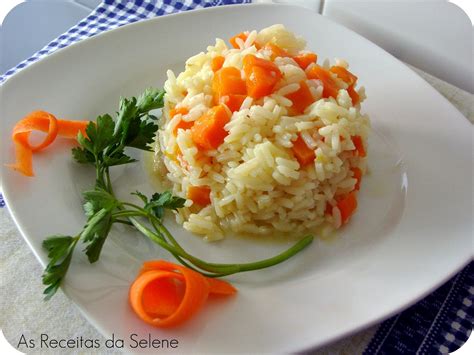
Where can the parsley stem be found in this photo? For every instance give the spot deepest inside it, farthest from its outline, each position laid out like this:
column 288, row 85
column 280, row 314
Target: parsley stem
column 163, row 237
column 177, row 257
column 152, row 236
column 228, row 269
column 109, row 183
column 127, row 213
column 162, row 229
column 216, row 268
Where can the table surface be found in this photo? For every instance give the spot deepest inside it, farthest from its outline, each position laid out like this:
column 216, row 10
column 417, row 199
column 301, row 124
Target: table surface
column 23, row 311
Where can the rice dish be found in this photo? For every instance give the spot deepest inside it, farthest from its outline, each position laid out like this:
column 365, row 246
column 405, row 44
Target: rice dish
column 262, row 140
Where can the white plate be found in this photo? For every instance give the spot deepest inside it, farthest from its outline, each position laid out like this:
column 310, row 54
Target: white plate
column 412, row 230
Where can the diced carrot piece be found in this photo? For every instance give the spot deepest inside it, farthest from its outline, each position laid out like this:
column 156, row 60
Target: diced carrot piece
column 304, row 154
column 329, row 85
column 208, row 131
column 350, row 79
column 359, row 145
column 260, row 82
column 200, row 195
column 301, row 98
column 305, row 59
column 233, row 41
column 276, row 51
column 233, row 102
column 261, row 76
column 357, row 174
column 344, row 74
column 251, row 60
column 227, row 81
column 183, row 125
column 353, row 94
column 217, row 62
column 347, row 206
column 180, row 110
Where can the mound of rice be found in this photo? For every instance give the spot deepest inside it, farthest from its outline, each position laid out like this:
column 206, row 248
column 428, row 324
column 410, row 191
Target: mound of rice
column 256, row 184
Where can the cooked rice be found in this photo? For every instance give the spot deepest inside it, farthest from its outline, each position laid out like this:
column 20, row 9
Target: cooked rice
column 257, row 185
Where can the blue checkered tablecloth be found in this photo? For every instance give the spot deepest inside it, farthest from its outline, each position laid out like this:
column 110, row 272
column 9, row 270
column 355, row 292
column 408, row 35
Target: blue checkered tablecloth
column 440, row 323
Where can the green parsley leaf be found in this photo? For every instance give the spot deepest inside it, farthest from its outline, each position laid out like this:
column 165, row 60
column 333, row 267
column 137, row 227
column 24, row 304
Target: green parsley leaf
column 141, row 134
column 60, row 249
column 128, row 112
column 101, row 134
column 151, row 99
column 166, row 200
column 83, row 156
column 97, row 199
column 141, row 196
column 98, row 206
column 95, row 233
column 118, row 158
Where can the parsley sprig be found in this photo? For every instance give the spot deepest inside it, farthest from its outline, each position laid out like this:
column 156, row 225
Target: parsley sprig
column 104, row 147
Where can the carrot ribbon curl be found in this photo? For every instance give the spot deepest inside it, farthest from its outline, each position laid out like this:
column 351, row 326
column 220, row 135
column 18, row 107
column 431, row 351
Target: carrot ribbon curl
column 165, row 294
column 44, row 122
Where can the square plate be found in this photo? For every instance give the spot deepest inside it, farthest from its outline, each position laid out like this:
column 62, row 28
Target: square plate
column 412, row 230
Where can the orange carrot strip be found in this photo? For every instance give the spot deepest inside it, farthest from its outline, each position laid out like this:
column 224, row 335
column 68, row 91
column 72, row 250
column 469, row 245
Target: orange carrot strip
column 165, row 294
column 36, row 121
column 357, row 174
column 302, row 152
column 24, row 160
column 170, row 295
column 199, row 195
column 217, row 62
column 359, row 145
column 301, row 98
column 44, row 122
column 220, row 287
column 227, row 81
column 233, row 41
column 305, row 59
column 70, row 129
column 208, row 131
column 347, row 206
column 329, row 85
column 344, row 74
column 217, row 286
